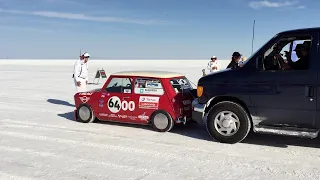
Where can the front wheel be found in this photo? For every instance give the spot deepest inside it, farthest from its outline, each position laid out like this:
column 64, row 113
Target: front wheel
column 85, row 114
column 162, row 121
column 228, row 122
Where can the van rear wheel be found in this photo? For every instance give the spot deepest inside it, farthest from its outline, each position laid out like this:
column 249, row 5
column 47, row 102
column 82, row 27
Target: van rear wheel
column 162, row 121
column 228, row 122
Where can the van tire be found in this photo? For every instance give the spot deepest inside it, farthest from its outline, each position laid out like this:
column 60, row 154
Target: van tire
column 161, row 121
column 85, row 114
column 239, row 114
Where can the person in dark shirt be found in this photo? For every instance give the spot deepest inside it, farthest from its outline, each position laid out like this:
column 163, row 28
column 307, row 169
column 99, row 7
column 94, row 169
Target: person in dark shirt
column 303, row 54
column 234, row 60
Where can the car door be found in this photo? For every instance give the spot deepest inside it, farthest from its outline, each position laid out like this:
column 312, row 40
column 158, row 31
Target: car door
column 116, row 100
column 286, row 97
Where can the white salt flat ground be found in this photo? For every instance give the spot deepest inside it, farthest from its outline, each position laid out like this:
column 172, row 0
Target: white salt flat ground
column 39, row 139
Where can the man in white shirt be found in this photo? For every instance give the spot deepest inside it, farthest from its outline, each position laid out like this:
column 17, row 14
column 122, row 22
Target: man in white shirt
column 214, row 65
column 80, row 74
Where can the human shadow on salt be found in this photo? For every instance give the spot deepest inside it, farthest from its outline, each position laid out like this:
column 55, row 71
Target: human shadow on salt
column 60, row 102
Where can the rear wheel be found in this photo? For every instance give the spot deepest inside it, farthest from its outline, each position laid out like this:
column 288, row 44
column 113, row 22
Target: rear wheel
column 85, row 114
column 162, row 121
column 228, row 122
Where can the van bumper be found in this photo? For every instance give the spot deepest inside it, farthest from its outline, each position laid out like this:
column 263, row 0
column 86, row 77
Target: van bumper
column 198, row 111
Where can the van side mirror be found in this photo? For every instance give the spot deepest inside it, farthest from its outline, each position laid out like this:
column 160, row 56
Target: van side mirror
column 259, row 63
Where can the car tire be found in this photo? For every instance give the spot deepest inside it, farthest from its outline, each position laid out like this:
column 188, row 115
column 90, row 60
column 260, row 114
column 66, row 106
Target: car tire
column 85, row 114
column 161, row 121
column 235, row 120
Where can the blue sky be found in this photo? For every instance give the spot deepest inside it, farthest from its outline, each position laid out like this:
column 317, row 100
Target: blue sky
column 145, row 29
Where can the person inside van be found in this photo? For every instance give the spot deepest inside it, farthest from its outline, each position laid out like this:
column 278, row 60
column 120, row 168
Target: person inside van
column 236, row 56
column 302, row 51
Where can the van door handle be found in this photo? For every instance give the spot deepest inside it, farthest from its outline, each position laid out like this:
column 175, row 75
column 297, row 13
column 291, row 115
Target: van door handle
column 309, row 91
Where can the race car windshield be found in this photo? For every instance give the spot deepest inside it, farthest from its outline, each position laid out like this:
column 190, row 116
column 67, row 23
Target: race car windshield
column 180, row 84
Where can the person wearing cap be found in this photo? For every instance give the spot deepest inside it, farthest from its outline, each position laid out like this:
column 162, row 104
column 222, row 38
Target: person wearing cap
column 214, row 65
column 80, row 74
column 235, row 59
column 302, row 51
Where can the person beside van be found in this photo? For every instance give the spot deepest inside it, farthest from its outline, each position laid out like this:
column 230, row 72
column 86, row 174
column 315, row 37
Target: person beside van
column 214, row 65
column 235, row 60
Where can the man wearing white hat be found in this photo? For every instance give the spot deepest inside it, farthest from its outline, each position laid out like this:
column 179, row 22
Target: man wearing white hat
column 214, row 65
column 80, row 74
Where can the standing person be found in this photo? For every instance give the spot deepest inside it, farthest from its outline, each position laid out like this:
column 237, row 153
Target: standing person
column 235, row 60
column 214, row 65
column 80, row 74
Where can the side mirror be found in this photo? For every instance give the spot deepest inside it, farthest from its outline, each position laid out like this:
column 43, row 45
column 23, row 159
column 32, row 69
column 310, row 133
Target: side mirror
column 259, row 63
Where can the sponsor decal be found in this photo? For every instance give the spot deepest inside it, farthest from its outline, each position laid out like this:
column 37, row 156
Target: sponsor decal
column 103, row 114
column 115, row 105
column 85, row 94
column 153, row 85
column 84, row 99
column 143, row 117
column 149, row 91
column 122, row 116
column 101, row 102
column 113, row 115
column 148, row 102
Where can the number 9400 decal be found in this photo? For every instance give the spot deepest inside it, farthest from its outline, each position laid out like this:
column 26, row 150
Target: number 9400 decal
column 115, row 105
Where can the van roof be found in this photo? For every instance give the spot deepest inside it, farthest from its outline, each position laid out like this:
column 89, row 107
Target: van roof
column 156, row 74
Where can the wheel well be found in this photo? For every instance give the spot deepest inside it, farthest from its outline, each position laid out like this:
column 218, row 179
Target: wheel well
column 228, row 98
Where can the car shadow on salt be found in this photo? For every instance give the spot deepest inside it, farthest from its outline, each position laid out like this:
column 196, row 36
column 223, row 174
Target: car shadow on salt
column 69, row 116
column 60, row 102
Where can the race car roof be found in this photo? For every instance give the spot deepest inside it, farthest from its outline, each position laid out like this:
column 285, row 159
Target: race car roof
column 156, row 74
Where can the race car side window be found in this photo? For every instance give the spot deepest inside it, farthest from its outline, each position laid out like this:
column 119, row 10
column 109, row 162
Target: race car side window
column 120, row 85
column 148, row 86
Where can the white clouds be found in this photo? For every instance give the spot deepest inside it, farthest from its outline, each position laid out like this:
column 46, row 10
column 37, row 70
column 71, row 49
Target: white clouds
column 75, row 16
column 273, row 4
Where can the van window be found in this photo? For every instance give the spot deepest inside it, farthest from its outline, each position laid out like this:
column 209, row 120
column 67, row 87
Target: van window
column 275, row 59
column 148, row 86
column 180, row 84
column 119, row 85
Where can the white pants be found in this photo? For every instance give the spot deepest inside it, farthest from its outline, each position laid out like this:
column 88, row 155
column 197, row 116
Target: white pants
column 82, row 87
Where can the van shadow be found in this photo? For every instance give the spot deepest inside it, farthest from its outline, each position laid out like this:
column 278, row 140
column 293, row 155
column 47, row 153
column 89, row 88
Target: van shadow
column 60, row 102
column 199, row 132
column 280, row 141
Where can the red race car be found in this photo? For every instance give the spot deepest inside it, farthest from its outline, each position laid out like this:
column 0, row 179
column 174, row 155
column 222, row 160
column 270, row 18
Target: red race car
column 159, row 98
